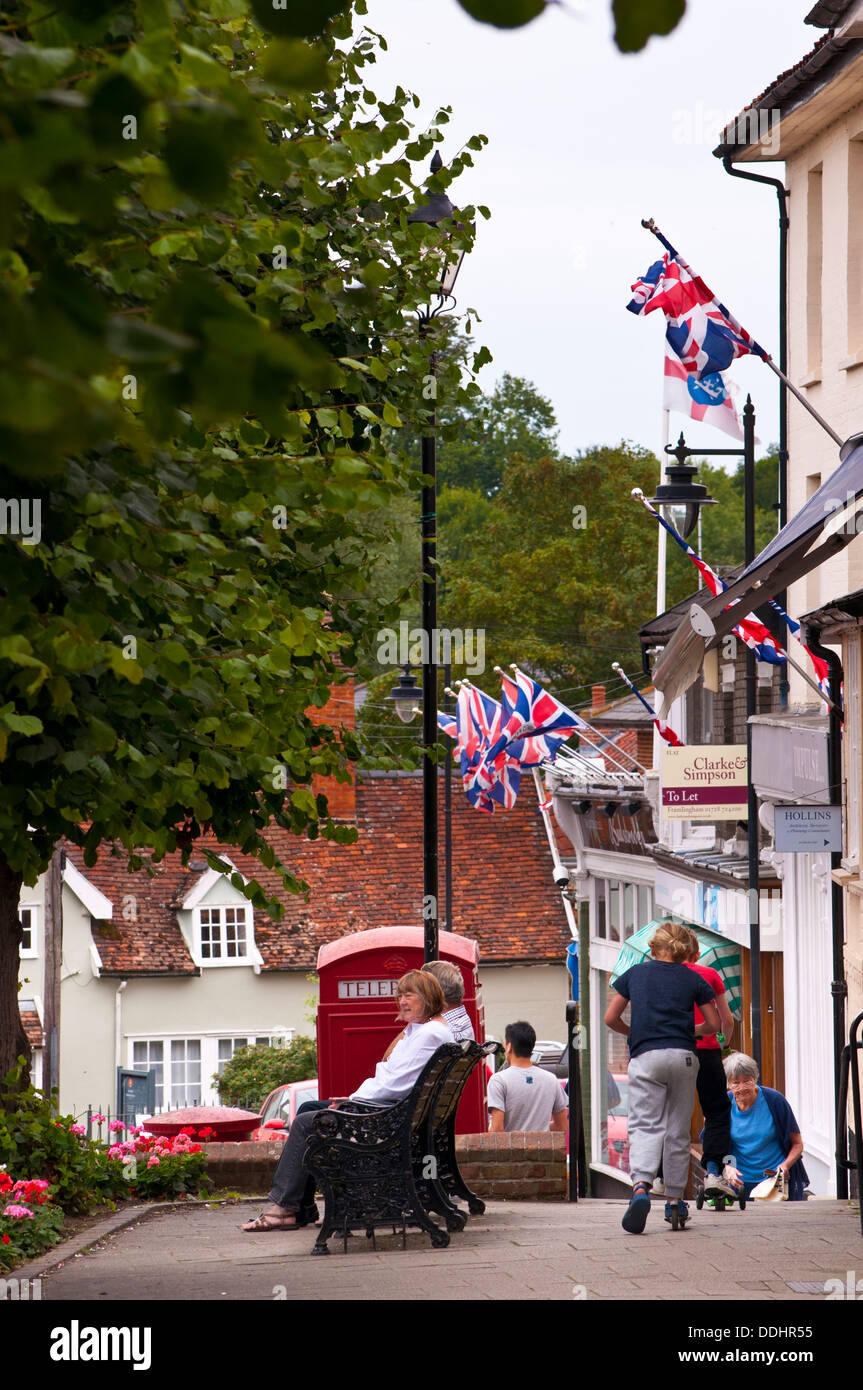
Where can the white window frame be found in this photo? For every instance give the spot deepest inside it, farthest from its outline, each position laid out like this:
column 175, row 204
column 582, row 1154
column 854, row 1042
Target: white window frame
column 249, row 957
column 30, row 952
column 209, row 1041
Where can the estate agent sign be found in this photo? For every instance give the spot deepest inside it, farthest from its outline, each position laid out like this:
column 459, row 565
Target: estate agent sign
column 705, row 782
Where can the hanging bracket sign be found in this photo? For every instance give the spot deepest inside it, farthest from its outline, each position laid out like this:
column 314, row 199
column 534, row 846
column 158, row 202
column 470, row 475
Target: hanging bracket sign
column 808, row 829
column 705, row 782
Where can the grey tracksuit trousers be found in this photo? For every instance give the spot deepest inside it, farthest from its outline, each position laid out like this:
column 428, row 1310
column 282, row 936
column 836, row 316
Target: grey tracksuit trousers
column 661, row 1097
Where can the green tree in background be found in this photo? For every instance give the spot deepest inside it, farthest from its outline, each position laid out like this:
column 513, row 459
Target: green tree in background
column 205, row 266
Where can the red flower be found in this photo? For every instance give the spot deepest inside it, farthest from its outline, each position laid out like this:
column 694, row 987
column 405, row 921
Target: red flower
column 5, row 1182
column 189, row 1129
column 6, row 1240
column 195, row 1148
column 206, row 1133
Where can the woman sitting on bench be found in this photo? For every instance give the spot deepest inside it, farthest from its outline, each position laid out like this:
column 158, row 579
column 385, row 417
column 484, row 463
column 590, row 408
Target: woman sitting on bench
column 292, row 1195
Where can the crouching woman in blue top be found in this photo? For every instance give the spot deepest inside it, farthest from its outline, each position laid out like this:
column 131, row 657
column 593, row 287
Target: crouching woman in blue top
column 663, row 1065
column 765, row 1135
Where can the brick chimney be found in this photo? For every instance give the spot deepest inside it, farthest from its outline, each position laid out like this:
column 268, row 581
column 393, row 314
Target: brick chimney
column 339, row 709
column 597, row 697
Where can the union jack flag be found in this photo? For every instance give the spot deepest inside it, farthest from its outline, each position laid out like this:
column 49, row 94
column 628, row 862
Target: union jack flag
column 533, row 724
column 447, row 723
column 699, row 329
column 664, row 730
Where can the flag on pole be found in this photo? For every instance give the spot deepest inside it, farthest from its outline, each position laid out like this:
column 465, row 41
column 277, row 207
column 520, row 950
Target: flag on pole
column 707, row 400
column 486, row 786
column 699, row 329
column 754, row 633
column 533, row 724
column 664, row 730
column 447, row 724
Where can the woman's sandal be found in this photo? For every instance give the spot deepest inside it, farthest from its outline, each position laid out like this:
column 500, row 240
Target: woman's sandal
column 268, row 1221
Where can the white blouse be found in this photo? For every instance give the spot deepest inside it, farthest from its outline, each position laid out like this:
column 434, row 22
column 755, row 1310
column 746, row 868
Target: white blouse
column 394, row 1078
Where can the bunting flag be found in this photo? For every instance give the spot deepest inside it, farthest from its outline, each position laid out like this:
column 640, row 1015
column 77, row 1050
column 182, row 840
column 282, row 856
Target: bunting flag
column 699, row 329
column 664, row 730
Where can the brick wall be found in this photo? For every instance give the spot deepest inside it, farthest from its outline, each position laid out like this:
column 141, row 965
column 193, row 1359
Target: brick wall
column 339, row 710
column 525, row 1166
column 504, row 1166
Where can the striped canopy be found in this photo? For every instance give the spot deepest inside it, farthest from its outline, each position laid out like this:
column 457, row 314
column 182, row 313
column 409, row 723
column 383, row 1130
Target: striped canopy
column 716, row 951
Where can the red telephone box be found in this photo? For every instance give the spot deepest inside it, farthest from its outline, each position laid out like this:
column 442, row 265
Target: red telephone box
column 357, row 1014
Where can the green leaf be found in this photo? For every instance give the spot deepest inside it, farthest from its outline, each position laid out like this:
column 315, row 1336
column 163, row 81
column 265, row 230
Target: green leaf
column 391, row 415
column 299, row 19
column 636, row 20
column 504, row 14
column 295, row 65
column 26, row 724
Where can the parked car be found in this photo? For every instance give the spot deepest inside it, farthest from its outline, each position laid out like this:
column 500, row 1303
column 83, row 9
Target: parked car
column 618, row 1125
column 550, row 1056
column 280, row 1108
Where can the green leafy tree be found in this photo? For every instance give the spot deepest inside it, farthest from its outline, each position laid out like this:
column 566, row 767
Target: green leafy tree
column 205, row 267
column 634, row 20
column 564, row 571
column 489, row 430
column 253, row 1072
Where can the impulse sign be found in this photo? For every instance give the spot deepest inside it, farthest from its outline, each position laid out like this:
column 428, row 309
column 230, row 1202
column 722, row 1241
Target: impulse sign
column 705, row 782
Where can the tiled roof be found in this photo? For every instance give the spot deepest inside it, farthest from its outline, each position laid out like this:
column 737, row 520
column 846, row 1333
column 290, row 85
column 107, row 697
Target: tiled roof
column 143, row 936
column 32, row 1027
column 792, row 87
column 503, row 893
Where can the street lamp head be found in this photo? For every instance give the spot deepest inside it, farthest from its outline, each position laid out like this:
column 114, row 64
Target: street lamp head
column 680, row 498
column 406, row 695
column 436, row 211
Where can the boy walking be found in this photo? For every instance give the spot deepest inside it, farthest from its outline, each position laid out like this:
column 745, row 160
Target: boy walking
column 663, row 1065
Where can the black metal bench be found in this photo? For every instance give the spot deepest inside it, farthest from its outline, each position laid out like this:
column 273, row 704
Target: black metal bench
column 395, row 1165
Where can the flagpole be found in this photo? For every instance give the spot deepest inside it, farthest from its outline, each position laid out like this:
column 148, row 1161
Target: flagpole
column 662, row 546
column 649, row 224
column 555, row 853
column 803, row 401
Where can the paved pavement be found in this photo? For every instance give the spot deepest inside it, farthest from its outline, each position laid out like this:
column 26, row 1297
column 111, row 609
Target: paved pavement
column 518, row 1250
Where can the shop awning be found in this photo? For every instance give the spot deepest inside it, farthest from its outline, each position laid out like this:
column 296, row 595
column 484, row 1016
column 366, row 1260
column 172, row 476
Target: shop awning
column 821, row 529
column 716, row 951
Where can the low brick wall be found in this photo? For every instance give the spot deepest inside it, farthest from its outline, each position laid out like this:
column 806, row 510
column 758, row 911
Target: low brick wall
column 243, row 1167
column 527, row 1166
column 493, row 1165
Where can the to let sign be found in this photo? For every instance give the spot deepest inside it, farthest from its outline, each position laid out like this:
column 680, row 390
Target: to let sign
column 705, row 782
column 816, row 829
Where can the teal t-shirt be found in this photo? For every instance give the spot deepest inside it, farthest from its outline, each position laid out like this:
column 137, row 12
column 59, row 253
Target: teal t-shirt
column 754, row 1141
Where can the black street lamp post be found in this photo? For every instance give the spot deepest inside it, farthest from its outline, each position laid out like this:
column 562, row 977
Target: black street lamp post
column 437, row 210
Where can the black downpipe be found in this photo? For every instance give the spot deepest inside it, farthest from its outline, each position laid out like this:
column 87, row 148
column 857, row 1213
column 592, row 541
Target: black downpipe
column 838, row 986
column 784, row 221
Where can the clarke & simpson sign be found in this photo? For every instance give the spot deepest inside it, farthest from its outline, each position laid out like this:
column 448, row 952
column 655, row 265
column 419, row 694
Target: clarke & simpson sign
column 705, row 782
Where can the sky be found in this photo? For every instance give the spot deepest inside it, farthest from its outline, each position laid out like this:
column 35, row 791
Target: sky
column 584, row 142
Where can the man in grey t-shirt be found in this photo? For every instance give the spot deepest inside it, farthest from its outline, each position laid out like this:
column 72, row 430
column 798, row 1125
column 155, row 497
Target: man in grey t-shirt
column 522, row 1096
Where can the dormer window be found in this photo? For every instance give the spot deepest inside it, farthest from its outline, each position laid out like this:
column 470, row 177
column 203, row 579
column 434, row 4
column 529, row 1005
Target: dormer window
column 224, row 933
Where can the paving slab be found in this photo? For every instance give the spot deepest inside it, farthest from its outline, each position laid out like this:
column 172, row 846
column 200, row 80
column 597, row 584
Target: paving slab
column 517, row 1250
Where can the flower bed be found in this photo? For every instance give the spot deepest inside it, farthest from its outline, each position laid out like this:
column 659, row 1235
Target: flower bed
column 57, row 1168
column 29, row 1220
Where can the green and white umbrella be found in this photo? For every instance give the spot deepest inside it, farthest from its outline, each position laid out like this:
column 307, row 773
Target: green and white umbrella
column 716, row 951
